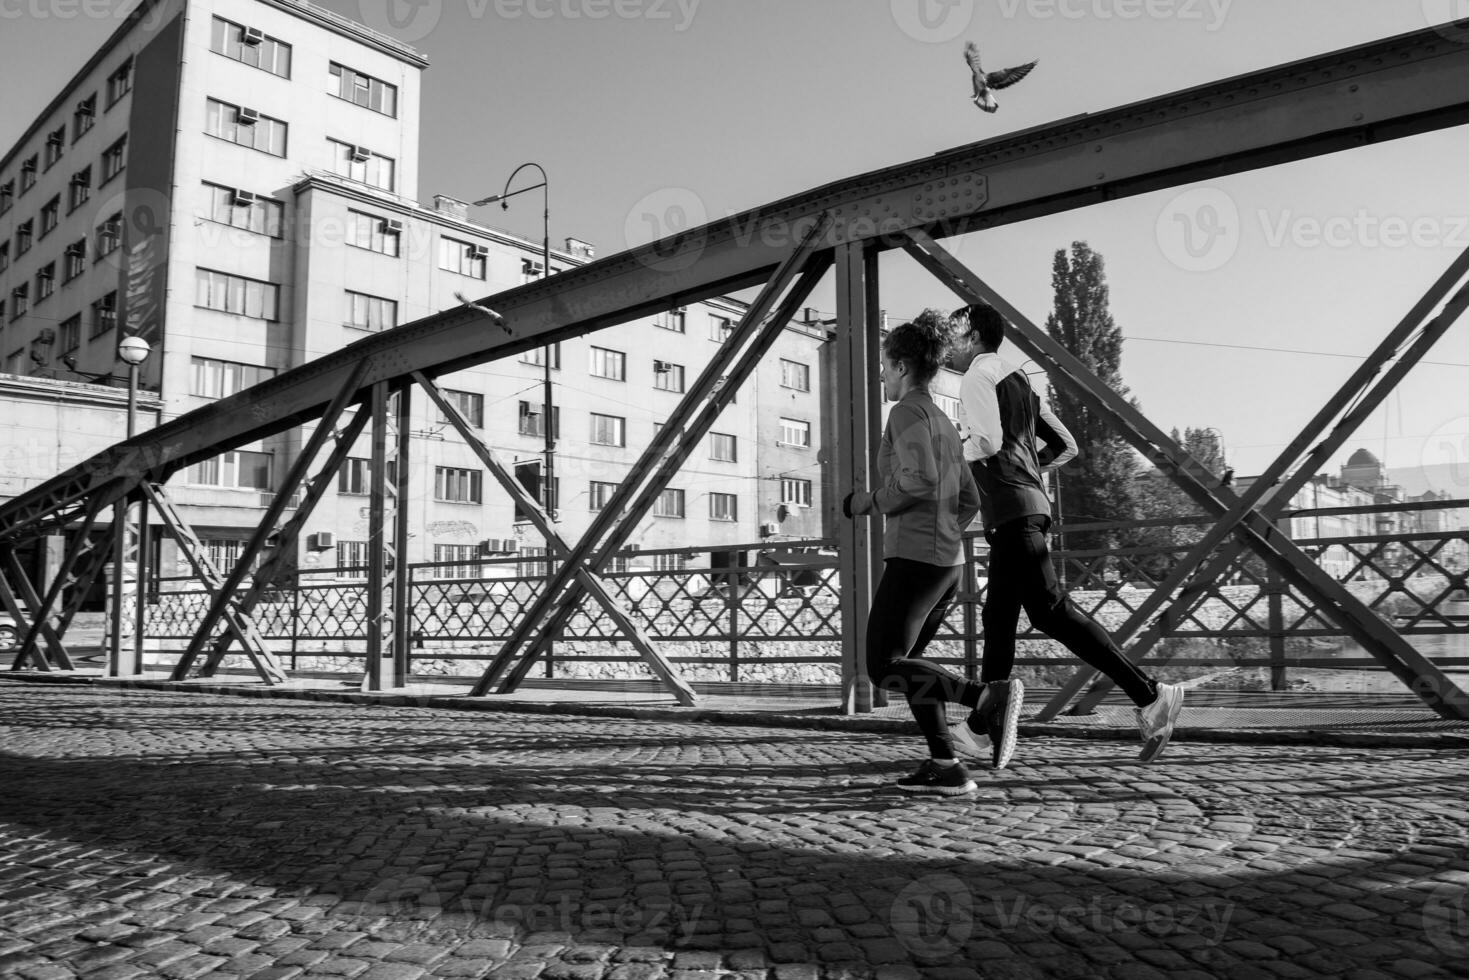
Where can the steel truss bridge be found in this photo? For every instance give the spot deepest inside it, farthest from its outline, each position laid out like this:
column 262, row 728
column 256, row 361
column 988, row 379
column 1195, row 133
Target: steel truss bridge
column 1386, row 90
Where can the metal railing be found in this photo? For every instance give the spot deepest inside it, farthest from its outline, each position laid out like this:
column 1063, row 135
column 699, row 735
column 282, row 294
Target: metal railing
column 762, row 612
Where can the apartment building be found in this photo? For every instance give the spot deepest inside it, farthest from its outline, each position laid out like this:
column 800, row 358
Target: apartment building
column 236, row 182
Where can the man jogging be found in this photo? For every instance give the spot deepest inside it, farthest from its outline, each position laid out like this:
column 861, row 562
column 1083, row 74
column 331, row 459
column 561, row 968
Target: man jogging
column 1010, row 437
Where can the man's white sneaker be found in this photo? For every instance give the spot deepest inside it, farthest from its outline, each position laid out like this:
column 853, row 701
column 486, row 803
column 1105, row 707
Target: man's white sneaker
column 1155, row 722
column 973, row 743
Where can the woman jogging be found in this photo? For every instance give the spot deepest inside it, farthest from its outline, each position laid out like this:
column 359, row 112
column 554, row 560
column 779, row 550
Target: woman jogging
column 928, row 497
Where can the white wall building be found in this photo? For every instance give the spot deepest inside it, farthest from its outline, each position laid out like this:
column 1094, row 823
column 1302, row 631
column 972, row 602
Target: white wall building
column 236, row 181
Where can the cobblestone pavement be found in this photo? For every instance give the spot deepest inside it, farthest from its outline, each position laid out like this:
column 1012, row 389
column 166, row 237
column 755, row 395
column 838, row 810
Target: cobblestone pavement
column 186, row 835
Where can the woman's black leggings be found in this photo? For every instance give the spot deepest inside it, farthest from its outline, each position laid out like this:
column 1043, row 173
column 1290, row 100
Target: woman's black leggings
column 909, row 606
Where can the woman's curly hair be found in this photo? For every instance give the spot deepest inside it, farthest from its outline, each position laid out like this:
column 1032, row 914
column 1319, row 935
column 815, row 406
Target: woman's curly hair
column 923, row 343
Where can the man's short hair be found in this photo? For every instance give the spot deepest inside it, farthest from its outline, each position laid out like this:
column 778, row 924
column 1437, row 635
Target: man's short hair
column 985, row 322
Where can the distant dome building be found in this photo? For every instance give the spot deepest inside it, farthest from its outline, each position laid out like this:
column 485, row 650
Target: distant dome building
column 1364, row 470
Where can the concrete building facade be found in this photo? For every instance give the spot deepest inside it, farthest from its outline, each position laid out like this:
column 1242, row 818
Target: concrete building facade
column 236, row 181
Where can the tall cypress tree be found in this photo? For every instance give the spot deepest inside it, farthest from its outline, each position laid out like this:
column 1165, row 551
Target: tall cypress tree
column 1098, row 485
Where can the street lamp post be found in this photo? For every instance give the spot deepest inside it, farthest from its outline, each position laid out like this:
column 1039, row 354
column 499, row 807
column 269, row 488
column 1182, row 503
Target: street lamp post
column 133, row 351
column 547, row 491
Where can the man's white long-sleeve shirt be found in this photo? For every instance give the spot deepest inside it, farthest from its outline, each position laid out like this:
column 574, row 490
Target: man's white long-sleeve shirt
column 1010, row 436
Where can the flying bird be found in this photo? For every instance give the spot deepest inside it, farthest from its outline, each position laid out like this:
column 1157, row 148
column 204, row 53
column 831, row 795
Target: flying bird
column 985, row 83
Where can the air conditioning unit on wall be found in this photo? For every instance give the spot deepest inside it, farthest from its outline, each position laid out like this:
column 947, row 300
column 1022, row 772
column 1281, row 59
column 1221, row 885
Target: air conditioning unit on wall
column 321, row 541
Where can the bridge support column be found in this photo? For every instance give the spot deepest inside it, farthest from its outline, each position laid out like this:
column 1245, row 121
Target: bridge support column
column 853, row 461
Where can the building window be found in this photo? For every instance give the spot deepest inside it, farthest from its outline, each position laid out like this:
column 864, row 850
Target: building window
column 4, row 256
column 251, row 46
column 796, row 493
column 28, row 174
column 607, row 363
column 71, row 333
column 608, row 430
column 76, row 260
column 537, row 356
column 373, row 233
column 20, row 300
column 362, row 165
column 55, row 145
column 352, row 559
column 245, row 126
column 50, row 215
column 355, row 476
column 949, row 406
column 120, row 82
column 724, row 507
column 23, row 235
column 449, row 561
column 45, row 281
column 794, row 432
column 668, row 376
column 720, row 328
column 220, row 379
column 599, row 495
column 104, row 315
column 366, row 312
column 241, row 469
column 109, row 235
column 471, row 405
column 675, row 320
column 2, row 311
column 533, row 419
column 84, row 116
column 532, row 569
column 531, row 270
column 465, row 258
column 7, row 195
column 15, row 361
column 794, row 374
column 80, row 189
column 242, row 209
column 223, row 553
column 675, row 562
column 364, row 90
column 457, row 486
column 113, row 159
column 235, row 294
column 722, row 447
column 669, row 504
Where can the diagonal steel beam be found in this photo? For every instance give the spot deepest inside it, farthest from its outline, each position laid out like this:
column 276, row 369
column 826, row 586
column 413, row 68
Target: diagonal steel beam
column 205, row 570
column 589, row 580
column 80, row 545
column 275, row 566
column 1416, row 672
column 663, row 443
column 1360, row 401
column 30, row 603
column 297, row 472
column 622, row 524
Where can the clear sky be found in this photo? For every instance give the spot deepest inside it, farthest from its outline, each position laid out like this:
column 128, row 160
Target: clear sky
column 640, row 108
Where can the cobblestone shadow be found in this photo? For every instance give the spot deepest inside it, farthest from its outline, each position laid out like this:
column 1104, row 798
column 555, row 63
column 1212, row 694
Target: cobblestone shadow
column 188, row 835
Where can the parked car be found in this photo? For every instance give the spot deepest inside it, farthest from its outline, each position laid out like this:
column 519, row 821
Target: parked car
column 9, row 635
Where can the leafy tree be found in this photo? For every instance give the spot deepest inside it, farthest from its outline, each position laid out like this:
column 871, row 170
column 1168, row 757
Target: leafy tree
column 1159, row 498
column 1099, row 484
